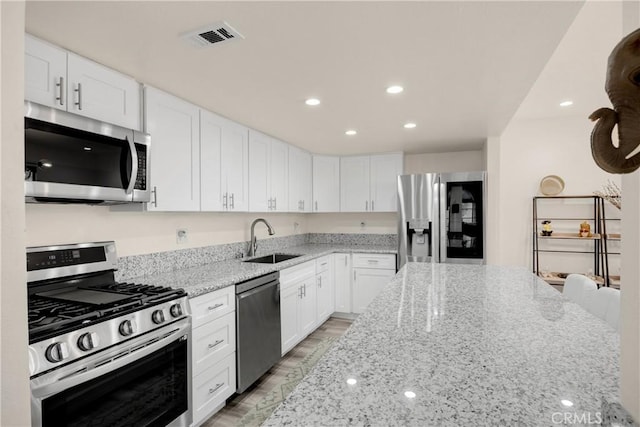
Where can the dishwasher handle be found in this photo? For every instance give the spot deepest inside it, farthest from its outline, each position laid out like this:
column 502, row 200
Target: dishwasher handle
column 262, row 288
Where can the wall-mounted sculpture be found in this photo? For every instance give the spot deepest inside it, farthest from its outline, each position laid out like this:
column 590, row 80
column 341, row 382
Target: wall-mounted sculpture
column 623, row 88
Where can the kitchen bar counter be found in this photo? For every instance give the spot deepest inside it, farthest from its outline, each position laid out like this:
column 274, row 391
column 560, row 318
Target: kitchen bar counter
column 461, row 345
column 208, row 278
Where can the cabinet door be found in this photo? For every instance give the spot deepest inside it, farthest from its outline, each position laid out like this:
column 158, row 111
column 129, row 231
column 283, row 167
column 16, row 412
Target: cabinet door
column 307, row 307
column 101, row 93
column 385, row 169
column 278, row 176
column 300, row 175
column 45, row 73
column 235, row 166
column 175, row 152
column 326, row 184
column 211, row 134
column 342, row 282
column 367, row 284
column 289, row 330
column 259, row 146
column 324, row 296
column 354, row 184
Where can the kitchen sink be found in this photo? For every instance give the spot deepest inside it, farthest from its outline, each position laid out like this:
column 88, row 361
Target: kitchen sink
column 272, row 259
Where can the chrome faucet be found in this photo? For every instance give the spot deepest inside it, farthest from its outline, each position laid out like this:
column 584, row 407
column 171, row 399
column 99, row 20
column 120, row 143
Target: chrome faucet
column 253, row 243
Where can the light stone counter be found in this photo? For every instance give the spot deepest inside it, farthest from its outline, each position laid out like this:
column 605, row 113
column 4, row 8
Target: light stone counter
column 460, row 345
column 208, row 278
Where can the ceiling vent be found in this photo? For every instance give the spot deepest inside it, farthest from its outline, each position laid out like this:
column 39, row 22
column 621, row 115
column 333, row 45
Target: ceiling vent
column 216, row 33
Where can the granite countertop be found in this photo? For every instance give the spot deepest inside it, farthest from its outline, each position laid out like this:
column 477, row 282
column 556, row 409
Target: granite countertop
column 208, row 278
column 461, row 345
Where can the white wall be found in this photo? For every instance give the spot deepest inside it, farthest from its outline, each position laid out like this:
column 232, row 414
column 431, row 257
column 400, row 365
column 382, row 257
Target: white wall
column 530, row 150
column 146, row 232
column 374, row 223
column 462, row 161
column 14, row 372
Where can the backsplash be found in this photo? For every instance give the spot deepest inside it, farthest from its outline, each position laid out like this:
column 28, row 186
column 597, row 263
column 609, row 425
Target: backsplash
column 353, row 239
column 161, row 262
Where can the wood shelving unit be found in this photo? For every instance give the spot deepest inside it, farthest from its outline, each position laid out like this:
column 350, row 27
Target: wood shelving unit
column 597, row 247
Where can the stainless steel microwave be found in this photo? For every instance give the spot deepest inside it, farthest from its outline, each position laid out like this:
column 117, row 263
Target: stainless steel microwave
column 74, row 159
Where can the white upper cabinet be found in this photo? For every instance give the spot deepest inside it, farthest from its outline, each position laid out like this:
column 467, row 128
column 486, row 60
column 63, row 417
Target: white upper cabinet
column 175, row 152
column 223, row 164
column 66, row 81
column 369, row 183
column 354, row 184
column 300, row 178
column 45, row 73
column 268, row 173
column 384, row 171
column 326, row 183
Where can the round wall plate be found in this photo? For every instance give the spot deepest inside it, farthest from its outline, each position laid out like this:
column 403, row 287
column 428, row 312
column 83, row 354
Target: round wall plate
column 551, row 185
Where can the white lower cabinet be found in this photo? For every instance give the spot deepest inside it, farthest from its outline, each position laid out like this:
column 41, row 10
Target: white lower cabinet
column 342, row 282
column 213, row 352
column 371, row 272
column 297, row 303
column 324, row 289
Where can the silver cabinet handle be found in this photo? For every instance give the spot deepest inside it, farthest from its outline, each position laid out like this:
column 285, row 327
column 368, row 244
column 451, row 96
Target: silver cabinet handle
column 211, row 308
column 79, row 90
column 319, row 281
column 304, row 287
column 233, row 203
column 366, row 205
column 216, row 388
column 134, row 166
column 275, row 203
column 345, row 260
column 224, row 201
column 155, row 196
column 303, row 205
column 218, row 342
column 372, row 261
column 269, row 204
column 316, row 205
column 354, row 275
column 300, row 292
column 372, row 209
column 60, row 86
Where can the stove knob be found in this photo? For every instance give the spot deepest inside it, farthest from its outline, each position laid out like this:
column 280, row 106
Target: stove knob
column 88, row 341
column 176, row 310
column 158, row 317
column 128, row 327
column 57, row 352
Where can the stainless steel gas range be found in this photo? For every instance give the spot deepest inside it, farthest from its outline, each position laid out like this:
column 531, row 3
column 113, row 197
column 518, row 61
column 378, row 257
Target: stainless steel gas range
column 104, row 353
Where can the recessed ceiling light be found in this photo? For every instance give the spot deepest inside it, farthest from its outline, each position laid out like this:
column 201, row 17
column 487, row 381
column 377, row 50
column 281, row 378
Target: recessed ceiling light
column 409, row 125
column 566, row 402
column 352, row 381
column 350, row 132
column 312, row 101
column 409, row 394
column 566, row 103
column 87, row 148
column 395, row 89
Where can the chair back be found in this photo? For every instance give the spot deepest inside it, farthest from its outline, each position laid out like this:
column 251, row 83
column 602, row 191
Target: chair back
column 577, row 287
column 605, row 304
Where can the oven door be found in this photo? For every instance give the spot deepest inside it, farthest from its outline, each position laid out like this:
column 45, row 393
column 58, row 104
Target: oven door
column 145, row 384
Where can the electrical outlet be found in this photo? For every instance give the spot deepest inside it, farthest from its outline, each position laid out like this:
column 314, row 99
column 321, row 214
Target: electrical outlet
column 181, row 236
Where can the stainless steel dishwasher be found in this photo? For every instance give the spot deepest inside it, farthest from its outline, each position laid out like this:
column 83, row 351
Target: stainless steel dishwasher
column 257, row 328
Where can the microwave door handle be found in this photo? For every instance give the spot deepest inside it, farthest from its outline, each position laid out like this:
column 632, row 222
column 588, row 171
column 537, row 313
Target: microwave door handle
column 134, row 165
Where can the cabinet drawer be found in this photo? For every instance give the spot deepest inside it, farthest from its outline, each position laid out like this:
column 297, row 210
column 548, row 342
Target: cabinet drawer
column 206, row 308
column 323, row 264
column 386, row 261
column 212, row 387
column 213, row 341
column 292, row 275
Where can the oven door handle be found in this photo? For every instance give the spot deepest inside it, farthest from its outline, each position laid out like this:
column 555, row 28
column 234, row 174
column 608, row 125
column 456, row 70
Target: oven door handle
column 79, row 377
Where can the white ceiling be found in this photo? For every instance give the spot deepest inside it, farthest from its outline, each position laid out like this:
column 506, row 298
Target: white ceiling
column 465, row 66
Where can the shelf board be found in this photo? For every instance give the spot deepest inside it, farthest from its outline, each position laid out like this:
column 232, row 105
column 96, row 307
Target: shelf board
column 555, row 235
column 613, row 236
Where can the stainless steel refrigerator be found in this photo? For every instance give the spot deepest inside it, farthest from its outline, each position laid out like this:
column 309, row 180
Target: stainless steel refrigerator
column 441, row 218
